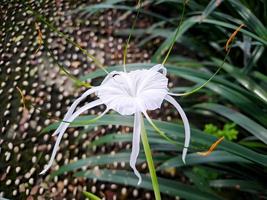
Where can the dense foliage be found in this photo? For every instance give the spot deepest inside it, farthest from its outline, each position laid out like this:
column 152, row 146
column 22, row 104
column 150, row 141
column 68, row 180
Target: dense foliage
column 233, row 104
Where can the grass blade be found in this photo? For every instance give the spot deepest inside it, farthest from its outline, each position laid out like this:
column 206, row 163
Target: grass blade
column 168, row 187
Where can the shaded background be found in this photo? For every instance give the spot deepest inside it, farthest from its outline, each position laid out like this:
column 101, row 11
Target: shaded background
column 49, row 92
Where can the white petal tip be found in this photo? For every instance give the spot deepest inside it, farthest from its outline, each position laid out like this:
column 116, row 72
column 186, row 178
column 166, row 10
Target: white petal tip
column 54, row 134
column 139, row 182
column 42, row 172
column 45, row 170
column 184, row 154
column 184, row 161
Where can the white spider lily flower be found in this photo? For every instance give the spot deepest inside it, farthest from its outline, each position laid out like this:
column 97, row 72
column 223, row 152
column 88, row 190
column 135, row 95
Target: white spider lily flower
column 128, row 93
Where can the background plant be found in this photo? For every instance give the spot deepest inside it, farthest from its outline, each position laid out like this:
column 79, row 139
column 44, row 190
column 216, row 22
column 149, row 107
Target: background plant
column 237, row 95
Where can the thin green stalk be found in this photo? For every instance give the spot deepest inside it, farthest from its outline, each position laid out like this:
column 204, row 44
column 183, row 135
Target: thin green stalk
column 53, row 28
column 76, row 80
column 84, row 122
column 204, row 84
column 150, row 162
column 228, row 49
column 130, row 35
column 176, row 34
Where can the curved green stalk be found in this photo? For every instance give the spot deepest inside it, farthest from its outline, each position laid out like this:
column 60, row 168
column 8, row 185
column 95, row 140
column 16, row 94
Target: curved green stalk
column 228, row 49
column 150, row 162
column 76, row 80
column 130, row 35
column 53, row 28
column 176, row 34
column 161, row 133
column 204, row 84
column 84, row 122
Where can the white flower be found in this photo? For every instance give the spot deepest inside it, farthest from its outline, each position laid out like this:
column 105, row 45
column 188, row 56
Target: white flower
column 128, row 93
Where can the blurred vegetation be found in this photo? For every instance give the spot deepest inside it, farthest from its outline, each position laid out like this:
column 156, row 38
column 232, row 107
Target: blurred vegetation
column 229, row 131
column 236, row 99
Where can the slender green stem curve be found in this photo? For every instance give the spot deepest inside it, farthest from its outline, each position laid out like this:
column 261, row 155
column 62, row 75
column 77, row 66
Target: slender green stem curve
column 84, row 122
column 150, row 162
column 130, row 35
column 76, row 80
column 53, row 28
column 176, row 34
column 204, row 84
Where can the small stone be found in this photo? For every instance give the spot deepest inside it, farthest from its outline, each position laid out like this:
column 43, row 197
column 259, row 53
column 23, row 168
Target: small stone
column 34, row 190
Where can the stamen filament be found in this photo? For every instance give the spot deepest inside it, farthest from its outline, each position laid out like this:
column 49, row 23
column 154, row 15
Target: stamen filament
column 130, row 35
column 176, row 33
column 90, row 121
column 76, row 80
column 161, row 133
column 94, row 59
column 228, row 48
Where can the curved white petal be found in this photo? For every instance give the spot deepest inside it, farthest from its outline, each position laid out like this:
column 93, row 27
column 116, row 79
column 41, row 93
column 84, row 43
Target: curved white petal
column 136, row 144
column 172, row 101
column 103, row 113
column 159, row 67
column 73, row 107
column 65, row 126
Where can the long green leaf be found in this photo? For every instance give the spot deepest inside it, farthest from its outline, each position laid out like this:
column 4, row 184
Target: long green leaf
column 114, row 137
column 168, row 42
column 92, row 9
column 177, row 132
column 104, row 159
column 213, row 4
column 251, row 20
column 244, row 80
column 243, row 185
column 91, row 196
column 195, row 159
column 169, row 187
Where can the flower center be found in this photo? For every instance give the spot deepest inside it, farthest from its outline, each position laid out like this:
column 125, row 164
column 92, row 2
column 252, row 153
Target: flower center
column 134, row 91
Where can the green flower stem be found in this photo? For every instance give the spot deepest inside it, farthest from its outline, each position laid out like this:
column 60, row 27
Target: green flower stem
column 150, row 162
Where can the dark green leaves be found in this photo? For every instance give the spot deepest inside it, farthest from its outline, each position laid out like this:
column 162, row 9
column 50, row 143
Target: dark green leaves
column 169, row 187
column 240, row 119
